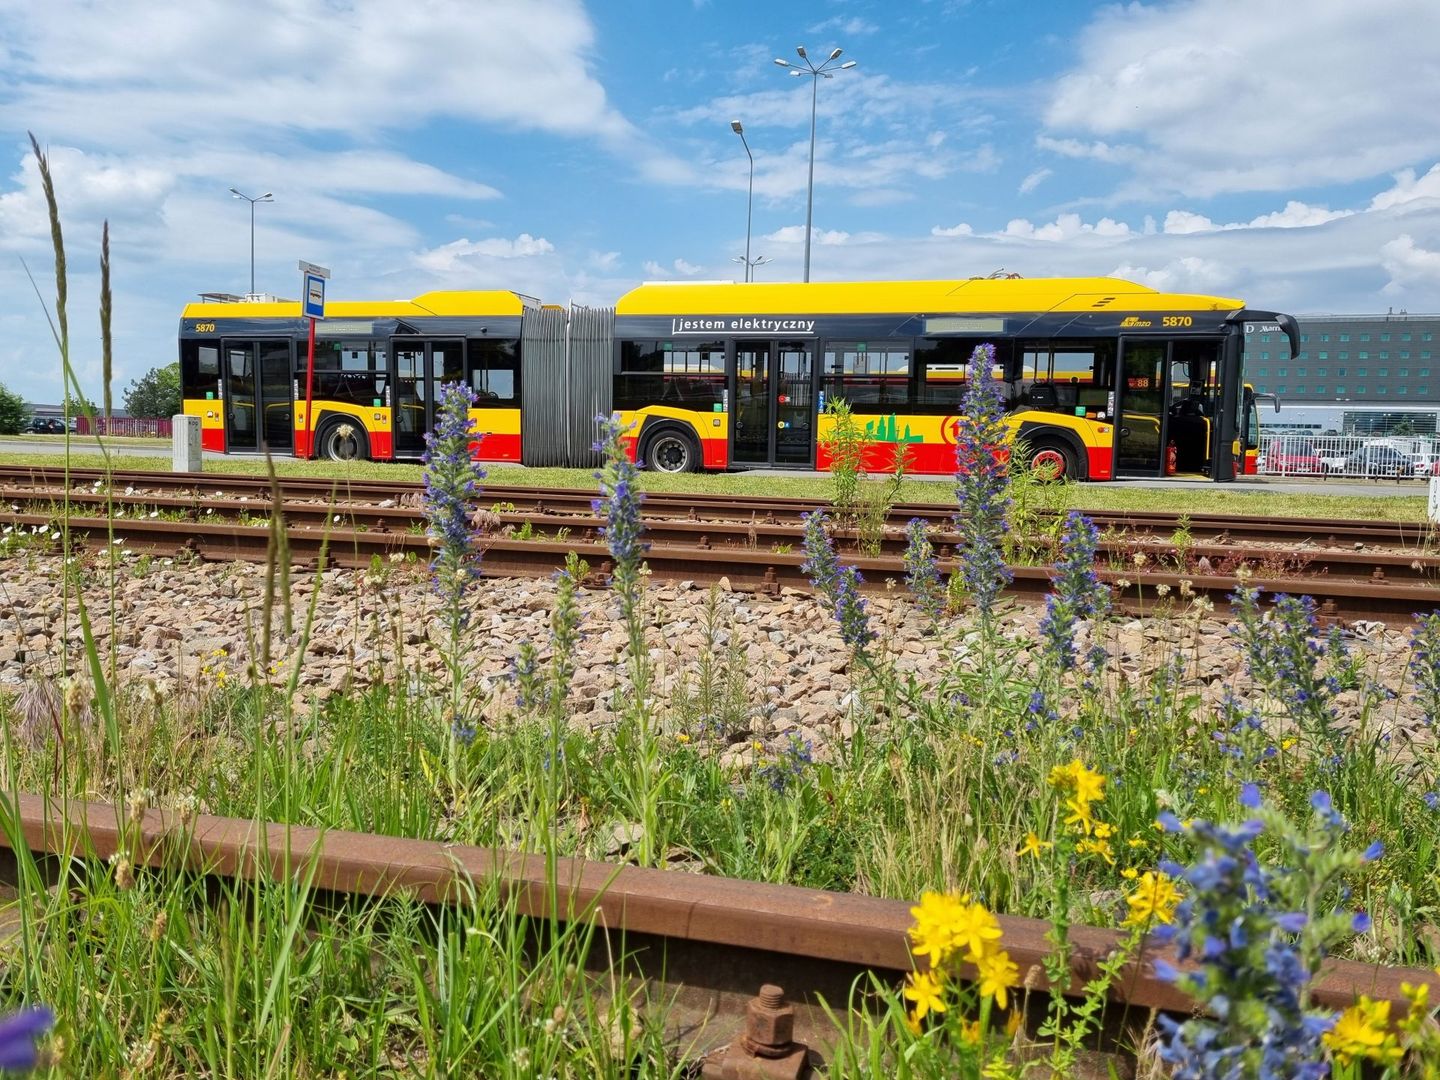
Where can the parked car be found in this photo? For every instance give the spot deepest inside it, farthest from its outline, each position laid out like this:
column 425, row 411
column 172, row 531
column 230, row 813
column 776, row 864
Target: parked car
column 1372, row 461
column 47, row 425
column 1290, row 456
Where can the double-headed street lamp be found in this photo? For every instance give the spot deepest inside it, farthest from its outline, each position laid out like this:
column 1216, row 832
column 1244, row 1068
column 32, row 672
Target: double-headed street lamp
column 267, row 197
column 816, row 73
column 750, row 264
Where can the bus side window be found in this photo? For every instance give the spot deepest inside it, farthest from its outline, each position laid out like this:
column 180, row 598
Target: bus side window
column 492, row 371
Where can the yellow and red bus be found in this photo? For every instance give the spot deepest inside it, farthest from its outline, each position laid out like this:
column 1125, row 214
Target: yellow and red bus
column 1103, row 378
column 243, row 369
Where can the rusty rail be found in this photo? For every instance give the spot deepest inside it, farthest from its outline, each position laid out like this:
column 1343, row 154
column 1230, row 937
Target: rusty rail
column 1381, row 567
column 759, row 510
column 715, row 939
column 1138, row 590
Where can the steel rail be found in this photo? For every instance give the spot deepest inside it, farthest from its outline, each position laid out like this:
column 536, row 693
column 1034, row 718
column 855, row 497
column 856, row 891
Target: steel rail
column 812, row 943
column 1138, row 590
column 750, row 509
column 1381, row 567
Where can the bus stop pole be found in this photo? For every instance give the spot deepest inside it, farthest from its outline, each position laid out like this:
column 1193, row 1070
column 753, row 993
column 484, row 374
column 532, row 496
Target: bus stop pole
column 310, row 395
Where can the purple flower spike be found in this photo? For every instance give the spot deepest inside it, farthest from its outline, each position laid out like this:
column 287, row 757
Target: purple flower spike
column 1361, row 923
column 18, row 1035
column 1374, row 851
column 1250, row 797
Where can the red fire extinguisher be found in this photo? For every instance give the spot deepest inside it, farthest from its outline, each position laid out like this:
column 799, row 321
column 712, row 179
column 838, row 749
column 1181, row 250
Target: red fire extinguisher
column 1172, row 459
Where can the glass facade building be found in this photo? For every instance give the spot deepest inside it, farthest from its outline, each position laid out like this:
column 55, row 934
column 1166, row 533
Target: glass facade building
column 1373, row 360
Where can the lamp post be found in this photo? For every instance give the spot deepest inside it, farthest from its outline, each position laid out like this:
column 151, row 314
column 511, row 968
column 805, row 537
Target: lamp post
column 750, row 264
column 816, row 73
column 739, row 129
column 267, row 197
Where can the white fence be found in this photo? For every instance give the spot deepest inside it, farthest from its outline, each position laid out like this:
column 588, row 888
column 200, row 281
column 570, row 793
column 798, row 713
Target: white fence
column 1400, row 457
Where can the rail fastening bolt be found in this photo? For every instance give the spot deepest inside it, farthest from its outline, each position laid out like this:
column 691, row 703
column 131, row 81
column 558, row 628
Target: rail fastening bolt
column 769, row 1024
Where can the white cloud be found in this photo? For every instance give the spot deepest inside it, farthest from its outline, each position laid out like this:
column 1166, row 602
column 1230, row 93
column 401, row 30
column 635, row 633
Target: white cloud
column 1034, row 180
column 1227, row 97
column 795, row 234
column 1295, row 215
column 604, row 261
column 688, row 269
column 452, row 256
column 1187, row 274
column 1065, row 227
column 954, row 230
column 1409, row 265
column 851, row 25
column 1407, row 189
column 654, row 271
column 195, row 70
column 1181, row 222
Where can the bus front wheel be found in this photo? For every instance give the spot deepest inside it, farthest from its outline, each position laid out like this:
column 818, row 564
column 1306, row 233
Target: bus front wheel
column 341, row 440
column 1054, row 461
column 672, row 452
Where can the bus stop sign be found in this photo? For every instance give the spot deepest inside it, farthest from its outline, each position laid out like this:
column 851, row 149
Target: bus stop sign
column 313, row 305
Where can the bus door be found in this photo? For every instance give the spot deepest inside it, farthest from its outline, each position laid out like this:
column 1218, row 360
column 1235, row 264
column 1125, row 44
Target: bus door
column 1168, row 406
column 258, row 392
column 773, row 388
column 417, row 370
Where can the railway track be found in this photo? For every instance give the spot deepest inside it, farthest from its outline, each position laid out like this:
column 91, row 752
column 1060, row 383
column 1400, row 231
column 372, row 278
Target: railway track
column 758, row 510
column 705, row 945
column 1381, row 567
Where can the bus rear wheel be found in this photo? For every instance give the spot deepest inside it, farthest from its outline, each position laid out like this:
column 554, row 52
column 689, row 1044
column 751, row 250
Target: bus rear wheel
column 1053, row 461
column 341, row 440
column 671, row 452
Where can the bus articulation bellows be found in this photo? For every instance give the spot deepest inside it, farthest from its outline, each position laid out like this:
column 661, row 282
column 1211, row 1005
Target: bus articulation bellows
column 1103, row 378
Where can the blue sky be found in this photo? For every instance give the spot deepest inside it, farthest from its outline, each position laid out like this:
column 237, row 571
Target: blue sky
column 570, row 150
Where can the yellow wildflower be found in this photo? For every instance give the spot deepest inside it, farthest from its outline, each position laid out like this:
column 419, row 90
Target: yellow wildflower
column 925, row 990
column 1363, row 1031
column 998, row 974
column 1079, row 815
column 975, row 929
column 1096, row 847
column 1418, row 998
column 1084, row 784
column 1155, row 898
column 970, row 1032
column 935, row 918
column 1033, row 845
column 1129, row 873
column 1103, row 831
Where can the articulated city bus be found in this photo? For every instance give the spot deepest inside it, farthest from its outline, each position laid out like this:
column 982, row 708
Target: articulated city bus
column 1102, row 378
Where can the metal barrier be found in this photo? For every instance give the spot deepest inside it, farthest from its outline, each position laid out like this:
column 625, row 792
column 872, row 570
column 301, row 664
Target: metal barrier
column 139, row 426
column 1398, row 457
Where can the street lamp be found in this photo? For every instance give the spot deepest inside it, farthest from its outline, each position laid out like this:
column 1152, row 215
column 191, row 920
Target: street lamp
column 267, row 197
column 816, row 73
column 750, row 264
column 739, row 129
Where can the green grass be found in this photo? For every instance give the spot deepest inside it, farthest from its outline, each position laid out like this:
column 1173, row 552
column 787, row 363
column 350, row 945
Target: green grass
column 1240, row 498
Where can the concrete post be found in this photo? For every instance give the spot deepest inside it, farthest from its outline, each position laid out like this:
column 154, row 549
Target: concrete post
column 185, row 444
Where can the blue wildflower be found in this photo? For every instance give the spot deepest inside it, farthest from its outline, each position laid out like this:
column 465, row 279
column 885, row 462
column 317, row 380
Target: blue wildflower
column 452, row 483
column 982, row 483
column 837, row 585
column 1076, row 592
column 19, row 1033
column 921, row 573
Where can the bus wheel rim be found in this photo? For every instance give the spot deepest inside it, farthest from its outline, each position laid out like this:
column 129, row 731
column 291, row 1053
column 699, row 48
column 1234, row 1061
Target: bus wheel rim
column 341, row 445
column 1049, row 459
column 670, row 454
